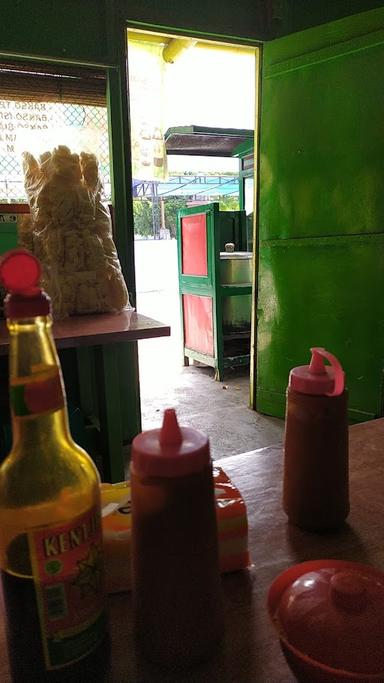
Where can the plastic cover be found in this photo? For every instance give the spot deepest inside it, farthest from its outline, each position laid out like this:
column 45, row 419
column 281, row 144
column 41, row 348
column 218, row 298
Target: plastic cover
column 71, row 234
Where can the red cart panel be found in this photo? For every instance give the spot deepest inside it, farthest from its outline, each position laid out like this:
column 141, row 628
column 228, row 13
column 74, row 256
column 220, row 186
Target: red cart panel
column 194, row 244
column 198, row 323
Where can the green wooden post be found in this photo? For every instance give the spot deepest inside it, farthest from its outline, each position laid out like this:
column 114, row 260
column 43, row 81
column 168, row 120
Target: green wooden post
column 120, row 152
column 185, row 359
column 109, row 399
column 214, row 251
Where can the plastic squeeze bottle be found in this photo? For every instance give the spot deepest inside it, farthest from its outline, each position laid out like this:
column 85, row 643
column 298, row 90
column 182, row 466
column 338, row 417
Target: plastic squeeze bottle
column 176, row 582
column 50, row 540
column 315, row 491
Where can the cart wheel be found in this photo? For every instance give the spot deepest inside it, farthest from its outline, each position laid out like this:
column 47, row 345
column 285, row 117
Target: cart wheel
column 218, row 377
column 186, row 361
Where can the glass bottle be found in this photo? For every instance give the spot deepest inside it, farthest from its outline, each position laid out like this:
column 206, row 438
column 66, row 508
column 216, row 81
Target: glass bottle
column 50, row 541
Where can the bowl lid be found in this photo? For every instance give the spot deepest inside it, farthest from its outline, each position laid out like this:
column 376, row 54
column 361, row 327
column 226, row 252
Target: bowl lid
column 332, row 611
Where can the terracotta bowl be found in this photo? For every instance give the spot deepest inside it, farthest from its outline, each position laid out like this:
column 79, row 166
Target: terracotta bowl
column 306, row 669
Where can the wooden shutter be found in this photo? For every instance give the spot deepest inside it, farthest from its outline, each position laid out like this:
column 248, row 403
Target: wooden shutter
column 34, row 82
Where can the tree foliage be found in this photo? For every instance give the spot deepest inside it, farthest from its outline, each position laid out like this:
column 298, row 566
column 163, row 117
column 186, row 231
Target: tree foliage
column 171, row 207
column 145, row 217
column 142, row 213
column 148, row 221
column 229, row 203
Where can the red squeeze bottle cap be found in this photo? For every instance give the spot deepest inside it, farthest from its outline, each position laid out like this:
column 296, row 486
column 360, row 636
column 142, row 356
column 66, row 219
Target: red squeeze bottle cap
column 171, row 451
column 318, row 378
column 20, row 273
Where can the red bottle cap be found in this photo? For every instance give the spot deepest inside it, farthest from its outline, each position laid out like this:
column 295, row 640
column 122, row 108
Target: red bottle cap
column 330, row 613
column 318, row 378
column 171, row 451
column 20, row 273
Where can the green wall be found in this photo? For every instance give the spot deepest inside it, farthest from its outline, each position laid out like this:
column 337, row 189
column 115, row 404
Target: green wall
column 261, row 20
column 85, row 30
column 301, row 14
column 243, row 18
column 88, row 31
column 321, row 212
column 67, row 29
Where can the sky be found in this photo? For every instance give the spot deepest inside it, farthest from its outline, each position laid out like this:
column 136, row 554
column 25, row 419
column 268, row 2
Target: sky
column 204, row 87
column 210, row 88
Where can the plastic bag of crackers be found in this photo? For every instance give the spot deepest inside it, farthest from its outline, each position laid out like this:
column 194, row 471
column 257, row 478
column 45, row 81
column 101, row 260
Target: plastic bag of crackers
column 71, row 233
column 116, row 521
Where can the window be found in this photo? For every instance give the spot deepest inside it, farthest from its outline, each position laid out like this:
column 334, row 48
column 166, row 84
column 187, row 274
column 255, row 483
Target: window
column 41, row 108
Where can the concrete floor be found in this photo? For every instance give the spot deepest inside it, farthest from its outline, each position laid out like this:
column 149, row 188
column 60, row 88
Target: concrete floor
column 219, row 409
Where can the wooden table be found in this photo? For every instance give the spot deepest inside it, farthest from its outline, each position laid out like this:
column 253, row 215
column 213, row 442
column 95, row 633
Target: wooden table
column 98, row 330
column 104, row 333
column 250, row 652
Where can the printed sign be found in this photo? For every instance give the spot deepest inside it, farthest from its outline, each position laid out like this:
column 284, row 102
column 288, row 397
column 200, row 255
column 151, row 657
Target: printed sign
column 146, row 69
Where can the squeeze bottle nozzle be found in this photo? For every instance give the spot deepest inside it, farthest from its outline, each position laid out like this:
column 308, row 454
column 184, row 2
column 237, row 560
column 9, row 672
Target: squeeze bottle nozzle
column 317, row 367
column 170, row 433
column 318, row 378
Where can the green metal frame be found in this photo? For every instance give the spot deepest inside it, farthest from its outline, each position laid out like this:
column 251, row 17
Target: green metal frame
column 241, row 151
column 219, row 231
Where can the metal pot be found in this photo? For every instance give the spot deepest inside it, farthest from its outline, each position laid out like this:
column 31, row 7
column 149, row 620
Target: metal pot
column 236, row 269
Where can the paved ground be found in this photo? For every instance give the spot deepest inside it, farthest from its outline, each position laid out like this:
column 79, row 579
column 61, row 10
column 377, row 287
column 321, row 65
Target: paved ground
column 218, row 409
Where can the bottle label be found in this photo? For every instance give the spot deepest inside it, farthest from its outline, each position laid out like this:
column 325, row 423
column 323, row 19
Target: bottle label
column 68, row 572
column 41, row 395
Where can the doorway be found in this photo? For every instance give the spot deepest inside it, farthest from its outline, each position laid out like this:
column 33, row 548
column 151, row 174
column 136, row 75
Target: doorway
column 187, row 98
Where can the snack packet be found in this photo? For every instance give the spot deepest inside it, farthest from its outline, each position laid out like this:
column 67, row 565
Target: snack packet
column 71, row 233
column 116, row 522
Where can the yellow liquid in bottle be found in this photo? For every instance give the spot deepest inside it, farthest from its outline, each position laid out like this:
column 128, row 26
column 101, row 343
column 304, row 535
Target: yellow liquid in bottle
column 50, row 544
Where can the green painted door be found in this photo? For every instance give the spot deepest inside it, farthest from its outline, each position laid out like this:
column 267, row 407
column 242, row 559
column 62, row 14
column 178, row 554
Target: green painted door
column 321, row 209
